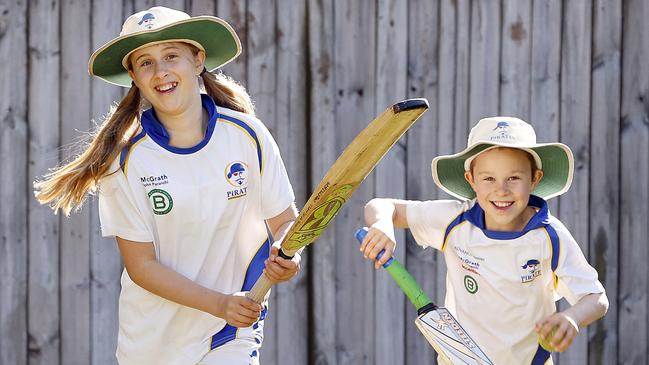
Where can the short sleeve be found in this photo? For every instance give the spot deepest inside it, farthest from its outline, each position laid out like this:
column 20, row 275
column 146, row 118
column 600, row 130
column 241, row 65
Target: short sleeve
column 576, row 277
column 118, row 213
column 429, row 220
column 276, row 190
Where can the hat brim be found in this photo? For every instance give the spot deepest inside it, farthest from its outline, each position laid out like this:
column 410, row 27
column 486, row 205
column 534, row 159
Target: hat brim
column 556, row 158
column 217, row 38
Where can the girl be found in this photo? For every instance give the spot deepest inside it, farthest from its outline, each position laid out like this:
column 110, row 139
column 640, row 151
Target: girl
column 189, row 188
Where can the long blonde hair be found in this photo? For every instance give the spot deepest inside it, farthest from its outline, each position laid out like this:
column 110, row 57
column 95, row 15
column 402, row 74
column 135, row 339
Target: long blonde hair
column 67, row 186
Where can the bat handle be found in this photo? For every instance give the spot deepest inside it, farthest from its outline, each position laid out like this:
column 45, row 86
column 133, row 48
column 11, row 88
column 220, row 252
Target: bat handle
column 360, row 235
column 263, row 284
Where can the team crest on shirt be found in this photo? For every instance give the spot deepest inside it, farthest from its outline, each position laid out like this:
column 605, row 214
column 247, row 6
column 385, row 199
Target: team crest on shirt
column 530, row 270
column 236, row 173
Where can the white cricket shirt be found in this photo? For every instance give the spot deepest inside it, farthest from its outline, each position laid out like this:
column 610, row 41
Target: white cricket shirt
column 204, row 209
column 499, row 284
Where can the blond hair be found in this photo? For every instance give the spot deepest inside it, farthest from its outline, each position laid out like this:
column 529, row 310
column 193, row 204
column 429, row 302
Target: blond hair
column 66, row 187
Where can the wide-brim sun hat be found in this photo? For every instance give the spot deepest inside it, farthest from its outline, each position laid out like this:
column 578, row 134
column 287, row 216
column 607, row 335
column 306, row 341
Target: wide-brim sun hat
column 555, row 159
column 157, row 25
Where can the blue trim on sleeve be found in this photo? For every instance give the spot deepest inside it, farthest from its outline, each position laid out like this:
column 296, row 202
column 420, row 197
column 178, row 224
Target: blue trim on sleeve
column 254, row 271
column 243, row 125
column 556, row 246
column 459, row 219
column 541, row 356
column 475, row 215
column 158, row 133
column 123, row 156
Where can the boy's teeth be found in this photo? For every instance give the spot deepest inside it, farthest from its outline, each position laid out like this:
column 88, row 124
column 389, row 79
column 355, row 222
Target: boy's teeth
column 502, row 204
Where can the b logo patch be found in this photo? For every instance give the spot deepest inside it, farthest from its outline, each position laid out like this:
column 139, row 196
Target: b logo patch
column 470, row 284
column 161, row 201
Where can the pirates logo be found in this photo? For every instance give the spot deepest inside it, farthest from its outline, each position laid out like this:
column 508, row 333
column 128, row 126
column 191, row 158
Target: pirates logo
column 237, row 174
column 530, row 270
column 147, row 21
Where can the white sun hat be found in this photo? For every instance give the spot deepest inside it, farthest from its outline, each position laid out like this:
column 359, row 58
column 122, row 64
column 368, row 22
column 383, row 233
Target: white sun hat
column 159, row 24
column 555, row 159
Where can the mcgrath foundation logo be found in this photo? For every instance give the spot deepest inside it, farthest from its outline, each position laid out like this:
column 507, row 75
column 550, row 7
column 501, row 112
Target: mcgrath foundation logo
column 236, row 173
column 147, row 21
column 161, row 201
column 530, row 270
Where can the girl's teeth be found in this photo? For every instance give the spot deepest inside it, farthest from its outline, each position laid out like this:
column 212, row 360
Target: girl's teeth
column 166, row 87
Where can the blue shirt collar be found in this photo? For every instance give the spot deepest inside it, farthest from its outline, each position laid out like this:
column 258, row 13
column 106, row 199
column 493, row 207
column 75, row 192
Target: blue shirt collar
column 475, row 215
column 158, row 133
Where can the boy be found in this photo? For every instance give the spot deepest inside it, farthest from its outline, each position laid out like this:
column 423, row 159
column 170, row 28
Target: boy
column 508, row 258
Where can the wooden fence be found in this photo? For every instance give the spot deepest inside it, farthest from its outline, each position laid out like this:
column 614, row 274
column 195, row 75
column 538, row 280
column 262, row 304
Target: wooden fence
column 319, row 71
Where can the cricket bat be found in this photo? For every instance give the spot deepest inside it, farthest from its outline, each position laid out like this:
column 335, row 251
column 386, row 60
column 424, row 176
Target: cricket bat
column 444, row 333
column 342, row 179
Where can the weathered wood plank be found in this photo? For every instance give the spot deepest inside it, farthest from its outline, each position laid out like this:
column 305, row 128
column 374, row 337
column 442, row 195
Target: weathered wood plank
column 390, row 175
column 605, row 172
column 355, row 83
column 15, row 188
column 290, row 307
column 574, row 122
column 515, row 58
column 75, row 230
column 235, row 13
column 173, row 4
column 261, row 62
column 43, row 117
column 322, row 153
column 633, row 297
column 202, row 7
column 485, row 59
column 105, row 263
column 426, row 55
column 545, row 73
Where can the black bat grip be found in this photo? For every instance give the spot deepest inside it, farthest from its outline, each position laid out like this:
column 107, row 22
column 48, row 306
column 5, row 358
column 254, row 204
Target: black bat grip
column 283, row 255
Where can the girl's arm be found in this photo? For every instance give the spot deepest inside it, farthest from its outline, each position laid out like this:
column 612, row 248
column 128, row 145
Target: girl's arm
column 277, row 268
column 382, row 216
column 146, row 271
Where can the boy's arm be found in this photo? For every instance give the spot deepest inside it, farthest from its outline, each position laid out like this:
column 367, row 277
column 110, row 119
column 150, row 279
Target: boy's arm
column 382, row 216
column 588, row 309
column 561, row 328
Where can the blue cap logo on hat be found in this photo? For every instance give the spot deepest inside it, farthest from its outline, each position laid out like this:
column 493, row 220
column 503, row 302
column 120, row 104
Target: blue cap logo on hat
column 147, row 20
column 236, row 174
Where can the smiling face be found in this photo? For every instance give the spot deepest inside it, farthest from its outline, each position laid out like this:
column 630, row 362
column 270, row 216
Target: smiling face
column 166, row 74
column 503, row 180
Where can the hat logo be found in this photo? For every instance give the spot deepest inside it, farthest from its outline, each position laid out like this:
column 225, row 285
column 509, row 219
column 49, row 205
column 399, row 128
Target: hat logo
column 147, row 21
column 501, row 132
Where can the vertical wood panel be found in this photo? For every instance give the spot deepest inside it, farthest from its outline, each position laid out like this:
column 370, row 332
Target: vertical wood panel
column 323, row 154
column 235, row 13
column 290, row 306
column 202, row 7
column 485, row 60
column 261, row 66
column 104, row 257
column 634, row 206
column 575, row 124
column 354, row 73
column 515, row 59
column 15, row 184
column 390, row 175
column 43, row 116
column 424, row 51
column 545, row 73
column 75, row 230
column 604, row 172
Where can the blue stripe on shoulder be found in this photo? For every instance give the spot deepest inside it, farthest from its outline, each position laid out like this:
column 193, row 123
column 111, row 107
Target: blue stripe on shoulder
column 556, row 246
column 254, row 271
column 250, row 131
column 541, row 356
column 459, row 219
column 123, row 156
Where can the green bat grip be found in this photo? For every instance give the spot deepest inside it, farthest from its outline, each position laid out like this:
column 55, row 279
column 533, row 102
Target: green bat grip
column 402, row 277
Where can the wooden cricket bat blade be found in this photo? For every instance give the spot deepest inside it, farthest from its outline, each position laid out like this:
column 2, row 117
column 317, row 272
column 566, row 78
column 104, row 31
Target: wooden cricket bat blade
column 343, row 178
